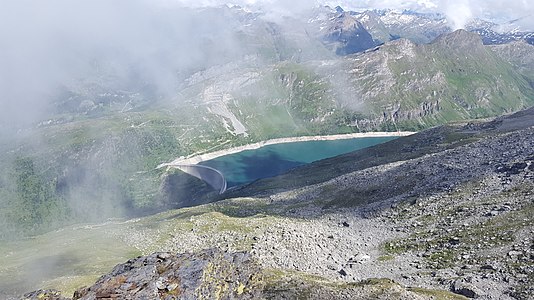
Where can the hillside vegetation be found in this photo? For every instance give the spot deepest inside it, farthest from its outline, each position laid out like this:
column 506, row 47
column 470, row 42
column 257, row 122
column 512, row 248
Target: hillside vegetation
column 95, row 156
column 445, row 210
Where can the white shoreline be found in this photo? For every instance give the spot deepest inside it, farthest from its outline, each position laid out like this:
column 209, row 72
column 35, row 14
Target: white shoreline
column 195, row 159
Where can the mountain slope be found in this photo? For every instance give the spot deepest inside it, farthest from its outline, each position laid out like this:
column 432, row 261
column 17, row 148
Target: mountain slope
column 519, row 54
column 210, row 273
column 404, row 85
column 346, row 35
column 111, row 133
column 494, row 34
column 447, row 208
column 417, row 27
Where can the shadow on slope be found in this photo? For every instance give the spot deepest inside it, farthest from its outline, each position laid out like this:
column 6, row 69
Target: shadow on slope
column 435, row 160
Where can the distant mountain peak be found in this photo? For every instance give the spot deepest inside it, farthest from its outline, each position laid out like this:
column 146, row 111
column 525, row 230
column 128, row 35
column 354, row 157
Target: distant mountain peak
column 347, row 35
column 459, row 38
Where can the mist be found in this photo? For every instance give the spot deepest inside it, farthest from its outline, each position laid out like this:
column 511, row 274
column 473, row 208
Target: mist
column 58, row 57
column 48, row 47
column 61, row 58
column 119, row 44
column 458, row 13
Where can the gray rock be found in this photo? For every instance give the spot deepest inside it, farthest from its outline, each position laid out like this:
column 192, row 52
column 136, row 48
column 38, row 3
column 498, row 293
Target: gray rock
column 183, row 276
column 44, row 295
column 360, row 258
column 466, row 289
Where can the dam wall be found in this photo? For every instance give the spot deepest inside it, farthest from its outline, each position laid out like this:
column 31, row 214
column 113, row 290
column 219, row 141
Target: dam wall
column 209, row 175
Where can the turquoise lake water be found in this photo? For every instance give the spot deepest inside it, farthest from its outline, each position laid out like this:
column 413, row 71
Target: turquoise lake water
column 249, row 165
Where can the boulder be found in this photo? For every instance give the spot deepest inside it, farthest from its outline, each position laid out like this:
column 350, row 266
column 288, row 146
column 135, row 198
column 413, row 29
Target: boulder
column 44, row 295
column 466, row 289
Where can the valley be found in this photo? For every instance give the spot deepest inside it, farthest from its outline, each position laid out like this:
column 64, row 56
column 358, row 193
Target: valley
column 441, row 217
column 439, row 206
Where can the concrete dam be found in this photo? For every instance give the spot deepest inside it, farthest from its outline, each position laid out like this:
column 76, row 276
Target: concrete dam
column 209, row 175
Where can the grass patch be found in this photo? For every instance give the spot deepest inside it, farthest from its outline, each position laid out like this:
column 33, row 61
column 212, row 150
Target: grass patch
column 68, row 258
column 384, row 258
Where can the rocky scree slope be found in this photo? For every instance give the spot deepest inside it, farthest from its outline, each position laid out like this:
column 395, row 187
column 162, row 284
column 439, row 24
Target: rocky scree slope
column 447, row 209
column 459, row 198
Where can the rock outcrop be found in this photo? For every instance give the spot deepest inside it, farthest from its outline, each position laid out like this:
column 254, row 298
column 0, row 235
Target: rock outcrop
column 216, row 274
column 163, row 275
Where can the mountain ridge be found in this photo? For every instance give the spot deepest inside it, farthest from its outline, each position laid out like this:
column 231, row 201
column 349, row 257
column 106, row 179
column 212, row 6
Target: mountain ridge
column 396, row 86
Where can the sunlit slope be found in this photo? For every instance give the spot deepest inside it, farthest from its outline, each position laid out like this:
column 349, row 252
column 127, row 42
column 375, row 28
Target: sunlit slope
column 397, row 210
column 99, row 160
column 520, row 54
column 404, row 85
column 77, row 256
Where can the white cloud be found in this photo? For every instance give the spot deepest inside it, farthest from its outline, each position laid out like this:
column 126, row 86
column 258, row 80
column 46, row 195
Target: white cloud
column 43, row 44
column 495, row 10
column 48, row 44
column 457, row 12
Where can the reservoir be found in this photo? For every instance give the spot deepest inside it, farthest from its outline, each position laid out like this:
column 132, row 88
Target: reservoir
column 271, row 160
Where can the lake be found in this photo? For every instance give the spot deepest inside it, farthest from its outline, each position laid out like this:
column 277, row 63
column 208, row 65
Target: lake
column 271, row 160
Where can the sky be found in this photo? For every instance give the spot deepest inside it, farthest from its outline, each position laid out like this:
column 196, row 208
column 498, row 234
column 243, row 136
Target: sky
column 48, row 44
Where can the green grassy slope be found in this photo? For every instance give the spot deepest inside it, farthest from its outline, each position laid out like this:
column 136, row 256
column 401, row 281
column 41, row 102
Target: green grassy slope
column 98, row 164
